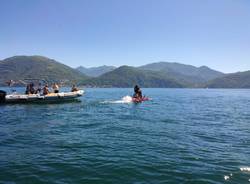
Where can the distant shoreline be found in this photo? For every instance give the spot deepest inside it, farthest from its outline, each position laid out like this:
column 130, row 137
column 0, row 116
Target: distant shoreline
column 88, row 87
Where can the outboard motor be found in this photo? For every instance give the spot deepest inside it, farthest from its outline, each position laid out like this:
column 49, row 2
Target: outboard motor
column 2, row 96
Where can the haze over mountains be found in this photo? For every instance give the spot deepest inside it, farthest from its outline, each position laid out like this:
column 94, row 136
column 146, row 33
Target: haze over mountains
column 188, row 75
column 161, row 74
column 234, row 80
column 126, row 76
column 95, row 71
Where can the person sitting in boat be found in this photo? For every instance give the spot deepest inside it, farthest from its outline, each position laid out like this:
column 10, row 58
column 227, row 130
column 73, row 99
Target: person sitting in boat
column 27, row 89
column 55, row 87
column 30, row 89
column 39, row 89
column 74, row 88
column 46, row 90
column 137, row 92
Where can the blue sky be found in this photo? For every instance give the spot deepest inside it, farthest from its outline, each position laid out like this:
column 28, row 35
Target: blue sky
column 215, row 33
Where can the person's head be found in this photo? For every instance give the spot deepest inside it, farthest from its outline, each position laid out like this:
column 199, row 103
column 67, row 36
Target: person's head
column 136, row 88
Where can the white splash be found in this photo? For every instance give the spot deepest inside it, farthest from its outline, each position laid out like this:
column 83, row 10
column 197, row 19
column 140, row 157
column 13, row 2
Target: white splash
column 245, row 169
column 125, row 99
column 226, row 177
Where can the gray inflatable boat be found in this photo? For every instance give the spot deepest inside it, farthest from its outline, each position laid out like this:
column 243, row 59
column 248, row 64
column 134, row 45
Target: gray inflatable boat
column 38, row 98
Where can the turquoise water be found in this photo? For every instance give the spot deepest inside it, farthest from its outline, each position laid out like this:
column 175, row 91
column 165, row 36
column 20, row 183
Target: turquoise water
column 181, row 136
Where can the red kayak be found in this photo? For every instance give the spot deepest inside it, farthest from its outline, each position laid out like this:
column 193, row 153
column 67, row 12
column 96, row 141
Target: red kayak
column 139, row 100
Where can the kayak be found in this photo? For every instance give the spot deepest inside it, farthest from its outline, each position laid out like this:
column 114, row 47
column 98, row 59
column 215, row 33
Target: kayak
column 38, row 98
column 139, row 100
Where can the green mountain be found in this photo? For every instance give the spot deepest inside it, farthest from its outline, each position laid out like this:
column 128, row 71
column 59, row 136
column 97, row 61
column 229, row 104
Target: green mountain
column 191, row 75
column 38, row 67
column 162, row 74
column 126, row 76
column 234, row 80
column 95, row 71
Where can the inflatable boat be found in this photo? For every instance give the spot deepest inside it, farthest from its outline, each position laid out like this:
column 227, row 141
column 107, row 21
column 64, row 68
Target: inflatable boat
column 38, row 98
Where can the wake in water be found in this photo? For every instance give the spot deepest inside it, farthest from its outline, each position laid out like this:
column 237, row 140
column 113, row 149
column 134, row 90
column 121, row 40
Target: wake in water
column 125, row 99
column 243, row 169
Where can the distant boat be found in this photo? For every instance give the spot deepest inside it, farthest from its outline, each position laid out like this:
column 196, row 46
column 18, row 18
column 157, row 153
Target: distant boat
column 38, row 98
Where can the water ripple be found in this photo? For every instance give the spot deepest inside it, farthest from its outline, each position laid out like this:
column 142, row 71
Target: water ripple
column 181, row 136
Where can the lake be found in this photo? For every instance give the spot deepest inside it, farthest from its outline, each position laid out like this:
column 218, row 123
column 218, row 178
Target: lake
column 180, row 136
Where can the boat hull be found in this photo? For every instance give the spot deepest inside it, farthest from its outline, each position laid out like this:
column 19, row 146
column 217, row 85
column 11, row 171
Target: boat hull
column 37, row 98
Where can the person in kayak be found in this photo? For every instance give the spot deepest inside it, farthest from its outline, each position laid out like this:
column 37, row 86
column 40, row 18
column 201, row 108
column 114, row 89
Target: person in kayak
column 137, row 92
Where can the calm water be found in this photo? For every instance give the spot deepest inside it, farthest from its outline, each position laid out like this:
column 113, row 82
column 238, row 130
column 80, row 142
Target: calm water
column 181, row 136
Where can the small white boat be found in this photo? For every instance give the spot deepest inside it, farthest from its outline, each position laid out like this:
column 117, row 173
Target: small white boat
column 38, row 98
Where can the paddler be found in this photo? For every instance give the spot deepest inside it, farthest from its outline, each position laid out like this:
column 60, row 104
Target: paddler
column 137, row 92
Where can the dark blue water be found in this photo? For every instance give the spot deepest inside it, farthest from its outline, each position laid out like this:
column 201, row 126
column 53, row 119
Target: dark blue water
column 181, row 136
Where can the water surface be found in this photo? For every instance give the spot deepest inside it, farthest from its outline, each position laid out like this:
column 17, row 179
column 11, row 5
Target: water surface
column 181, row 136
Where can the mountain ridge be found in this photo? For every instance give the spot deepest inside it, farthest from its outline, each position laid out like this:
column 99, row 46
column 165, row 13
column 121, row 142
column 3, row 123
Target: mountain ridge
column 127, row 76
column 95, row 71
column 183, row 69
column 23, row 67
column 233, row 80
column 159, row 74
